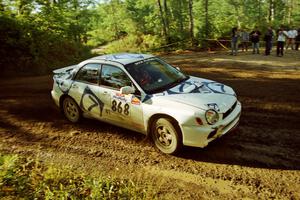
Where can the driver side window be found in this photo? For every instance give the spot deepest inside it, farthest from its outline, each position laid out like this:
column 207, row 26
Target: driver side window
column 114, row 77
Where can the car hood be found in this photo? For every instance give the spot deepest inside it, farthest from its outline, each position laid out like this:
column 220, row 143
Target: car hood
column 200, row 93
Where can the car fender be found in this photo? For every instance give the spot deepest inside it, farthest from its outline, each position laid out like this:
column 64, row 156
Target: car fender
column 183, row 114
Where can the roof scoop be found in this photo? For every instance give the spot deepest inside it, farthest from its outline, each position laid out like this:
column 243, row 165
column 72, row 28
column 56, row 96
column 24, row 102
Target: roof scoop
column 124, row 56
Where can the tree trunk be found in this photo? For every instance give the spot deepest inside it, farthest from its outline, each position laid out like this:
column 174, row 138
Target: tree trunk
column 259, row 11
column 206, row 18
column 164, row 29
column 271, row 10
column 166, row 17
column 191, row 22
column 180, row 17
column 290, row 11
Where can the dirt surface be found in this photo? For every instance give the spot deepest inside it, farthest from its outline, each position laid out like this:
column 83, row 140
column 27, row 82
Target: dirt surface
column 259, row 160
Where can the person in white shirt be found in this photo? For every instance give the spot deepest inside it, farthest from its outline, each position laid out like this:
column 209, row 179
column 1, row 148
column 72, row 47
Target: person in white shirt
column 281, row 37
column 291, row 35
column 244, row 35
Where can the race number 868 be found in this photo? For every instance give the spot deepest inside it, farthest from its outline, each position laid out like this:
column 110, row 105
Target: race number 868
column 119, row 107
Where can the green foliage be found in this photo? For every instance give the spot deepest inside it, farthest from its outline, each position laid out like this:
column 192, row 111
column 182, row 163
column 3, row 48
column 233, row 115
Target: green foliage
column 36, row 41
column 140, row 17
column 14, row 181
column 28, row 49
column 30, row 179
column 135, row 43
column 38, row 35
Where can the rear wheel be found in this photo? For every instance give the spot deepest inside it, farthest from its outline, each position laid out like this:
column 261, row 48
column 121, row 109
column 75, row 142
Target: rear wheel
column 166, row 136
column 71, row 110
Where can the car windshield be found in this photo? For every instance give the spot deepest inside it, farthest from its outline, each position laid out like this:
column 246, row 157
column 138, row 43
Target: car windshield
column 155, row 75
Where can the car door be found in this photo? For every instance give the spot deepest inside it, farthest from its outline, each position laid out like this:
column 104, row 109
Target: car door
column 120, row 109
column 85, row 90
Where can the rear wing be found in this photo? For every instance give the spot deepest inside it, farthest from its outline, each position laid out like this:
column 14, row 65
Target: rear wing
column 64, row 70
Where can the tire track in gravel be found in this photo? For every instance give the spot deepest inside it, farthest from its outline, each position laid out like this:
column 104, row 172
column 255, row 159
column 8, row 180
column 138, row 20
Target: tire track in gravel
column 223, row 177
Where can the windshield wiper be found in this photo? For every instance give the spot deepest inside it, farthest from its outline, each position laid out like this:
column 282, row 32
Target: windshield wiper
column 170, row 85
column 180, row 81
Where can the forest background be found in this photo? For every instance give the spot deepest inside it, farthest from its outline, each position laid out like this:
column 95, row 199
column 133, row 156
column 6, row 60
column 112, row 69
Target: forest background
column 37, row 36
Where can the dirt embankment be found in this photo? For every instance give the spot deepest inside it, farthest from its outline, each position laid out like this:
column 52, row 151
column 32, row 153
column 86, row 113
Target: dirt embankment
column 260, row 159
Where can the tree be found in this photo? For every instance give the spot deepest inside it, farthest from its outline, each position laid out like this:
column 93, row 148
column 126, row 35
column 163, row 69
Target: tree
column 163, row 21
column 271, row 10
column 236, row 4
column 38, row 30
column 191, row 23
column 206, row 18
column 166, row 16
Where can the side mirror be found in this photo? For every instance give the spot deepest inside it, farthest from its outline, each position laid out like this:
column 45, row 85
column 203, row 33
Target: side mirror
column 127, row 90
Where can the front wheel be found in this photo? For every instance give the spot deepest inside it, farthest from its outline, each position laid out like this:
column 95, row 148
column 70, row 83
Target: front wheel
column 166, row 136
column 71, row 110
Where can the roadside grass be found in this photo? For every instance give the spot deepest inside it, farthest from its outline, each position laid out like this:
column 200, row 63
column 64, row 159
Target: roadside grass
column 27, row 178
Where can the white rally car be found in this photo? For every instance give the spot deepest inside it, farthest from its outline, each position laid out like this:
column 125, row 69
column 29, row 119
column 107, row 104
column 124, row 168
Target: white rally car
column 145, row 94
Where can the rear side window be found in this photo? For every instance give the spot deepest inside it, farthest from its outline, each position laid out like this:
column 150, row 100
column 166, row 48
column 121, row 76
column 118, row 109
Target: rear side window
column 114, row 77
column 89, row 73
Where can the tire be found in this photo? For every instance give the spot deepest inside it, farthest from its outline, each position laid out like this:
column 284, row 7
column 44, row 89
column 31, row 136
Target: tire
column 71, row 110
column 166, row 136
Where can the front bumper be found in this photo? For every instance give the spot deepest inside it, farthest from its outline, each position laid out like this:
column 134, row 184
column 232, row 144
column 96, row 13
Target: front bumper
column 200, row 136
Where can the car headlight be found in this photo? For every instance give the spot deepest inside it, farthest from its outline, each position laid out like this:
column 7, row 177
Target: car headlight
column 211, row 116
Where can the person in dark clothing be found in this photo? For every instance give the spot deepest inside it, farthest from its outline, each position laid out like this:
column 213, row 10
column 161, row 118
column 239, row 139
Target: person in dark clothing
column 268, row 39
column 254, row 37
column 298, row 40
column 234, row 41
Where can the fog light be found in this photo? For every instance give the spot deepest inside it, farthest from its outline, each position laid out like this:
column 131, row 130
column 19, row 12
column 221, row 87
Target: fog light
column 199, row 121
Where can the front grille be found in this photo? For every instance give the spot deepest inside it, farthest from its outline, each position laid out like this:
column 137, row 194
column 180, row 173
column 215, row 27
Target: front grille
column 229, row 124
column 229, row 110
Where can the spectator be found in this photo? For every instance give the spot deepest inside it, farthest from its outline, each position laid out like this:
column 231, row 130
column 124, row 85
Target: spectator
column 298, row 40
column 273, row 35
column 254, row 37
column 234, row 41
column 282, row 34
column 244, row 40
column 268, row 39
column 291, row 36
